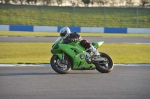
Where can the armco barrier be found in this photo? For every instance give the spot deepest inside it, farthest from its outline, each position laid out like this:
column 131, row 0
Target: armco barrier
column 115, row 30
column 45, row 29
column 92, row 29
column 4, row 27
column 138, row 30
column 73, row 29
column 20, row 28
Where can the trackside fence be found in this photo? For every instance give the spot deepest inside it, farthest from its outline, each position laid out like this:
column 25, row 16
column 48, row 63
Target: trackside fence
column 75, row 16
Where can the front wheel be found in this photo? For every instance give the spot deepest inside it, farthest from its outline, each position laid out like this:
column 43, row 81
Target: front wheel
column 60, row 66
column 104, row 66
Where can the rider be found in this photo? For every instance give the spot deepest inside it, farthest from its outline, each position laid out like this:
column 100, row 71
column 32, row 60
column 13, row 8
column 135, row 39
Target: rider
column 67, row 36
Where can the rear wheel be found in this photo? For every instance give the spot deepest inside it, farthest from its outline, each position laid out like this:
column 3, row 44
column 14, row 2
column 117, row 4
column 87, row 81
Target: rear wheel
column 60, row 66
column 104, row 66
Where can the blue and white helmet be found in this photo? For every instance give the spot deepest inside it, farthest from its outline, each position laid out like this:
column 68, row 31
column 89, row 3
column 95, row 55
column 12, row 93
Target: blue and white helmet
column 64, row 32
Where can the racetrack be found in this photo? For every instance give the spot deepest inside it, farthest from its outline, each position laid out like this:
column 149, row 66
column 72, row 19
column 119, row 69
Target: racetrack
column 92, row 39
column 43, row 83
column 124, row 82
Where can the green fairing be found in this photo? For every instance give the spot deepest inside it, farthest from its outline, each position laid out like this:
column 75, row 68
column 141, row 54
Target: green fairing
column 97, row 44
column 75, row 51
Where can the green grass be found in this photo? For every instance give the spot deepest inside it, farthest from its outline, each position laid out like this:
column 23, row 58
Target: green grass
column 24, row 52
column 78, row 16
column 38, row 53
column 38, row 34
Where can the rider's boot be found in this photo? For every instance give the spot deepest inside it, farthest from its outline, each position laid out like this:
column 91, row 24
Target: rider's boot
column 96, row 53
column 88, row 57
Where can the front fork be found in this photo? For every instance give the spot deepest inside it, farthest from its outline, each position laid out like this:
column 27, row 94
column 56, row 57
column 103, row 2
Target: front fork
column 62, row 58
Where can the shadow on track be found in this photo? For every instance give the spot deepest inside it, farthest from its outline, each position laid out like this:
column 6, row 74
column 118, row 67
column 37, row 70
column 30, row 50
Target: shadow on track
column 24, row 74
column 31, row 74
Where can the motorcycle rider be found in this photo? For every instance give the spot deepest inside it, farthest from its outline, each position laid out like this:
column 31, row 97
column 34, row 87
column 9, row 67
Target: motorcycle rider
column 67, row 36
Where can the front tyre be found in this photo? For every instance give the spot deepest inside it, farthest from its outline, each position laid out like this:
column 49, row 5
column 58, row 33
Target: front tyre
column 104, row 66
column 60, row 66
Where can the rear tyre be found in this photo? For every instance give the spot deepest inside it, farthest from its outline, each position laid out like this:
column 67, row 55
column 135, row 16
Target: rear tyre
column 60, row 66
column 104, row 66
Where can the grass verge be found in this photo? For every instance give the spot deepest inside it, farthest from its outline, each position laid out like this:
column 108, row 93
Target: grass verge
column 37, row 53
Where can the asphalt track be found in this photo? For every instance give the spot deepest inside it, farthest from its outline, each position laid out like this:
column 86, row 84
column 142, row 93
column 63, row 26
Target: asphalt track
column 43, row 83
column 124, row 82
column 92, row 39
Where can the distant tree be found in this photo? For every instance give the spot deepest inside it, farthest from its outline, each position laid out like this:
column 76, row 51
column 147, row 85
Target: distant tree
column 31, row 1
column 21, row 1
column 112, row 2
column 28, row 1
column 7, row 1
column 106, row 1
column 129, row 2
column 92, row 2
column 1, row 1
column 143, row 3
column 78, row 2
column 35, row 1
column 15, row 1
column 73, row 3
column 48, row 2
column 121, row 2
column 59, row 2
column 101, row 2
column 86, row 2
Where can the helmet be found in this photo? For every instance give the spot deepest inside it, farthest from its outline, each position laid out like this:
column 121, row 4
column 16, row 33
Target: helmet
column 64, row 32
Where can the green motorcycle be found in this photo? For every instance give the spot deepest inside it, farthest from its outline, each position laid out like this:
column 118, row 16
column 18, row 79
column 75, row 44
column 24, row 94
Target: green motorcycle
column 73, row 56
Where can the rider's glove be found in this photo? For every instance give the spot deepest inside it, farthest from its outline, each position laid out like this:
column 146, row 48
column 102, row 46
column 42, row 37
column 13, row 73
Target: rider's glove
column 73, row 40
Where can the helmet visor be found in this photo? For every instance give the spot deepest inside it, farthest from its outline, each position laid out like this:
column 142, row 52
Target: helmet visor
column 62, row 34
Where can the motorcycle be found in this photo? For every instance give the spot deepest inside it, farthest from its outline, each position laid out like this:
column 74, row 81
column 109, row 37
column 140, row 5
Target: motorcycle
column 73, row 56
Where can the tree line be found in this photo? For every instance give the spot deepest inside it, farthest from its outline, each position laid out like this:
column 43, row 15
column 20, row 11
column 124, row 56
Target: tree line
column 86, row 3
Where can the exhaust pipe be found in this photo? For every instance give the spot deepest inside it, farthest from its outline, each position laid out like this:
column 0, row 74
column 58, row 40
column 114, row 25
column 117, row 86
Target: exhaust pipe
column 99, row 59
